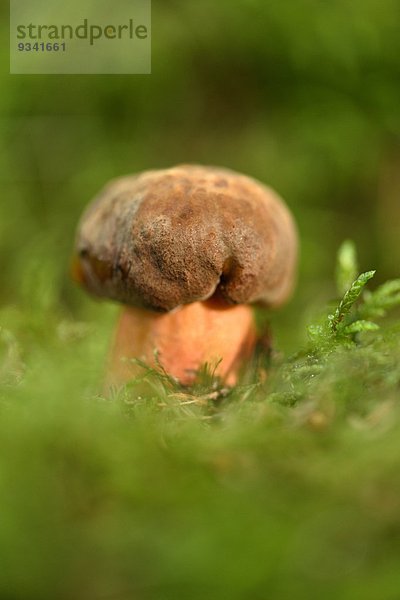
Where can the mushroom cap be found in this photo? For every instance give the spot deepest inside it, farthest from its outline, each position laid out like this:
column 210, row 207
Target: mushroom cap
column 166, row 238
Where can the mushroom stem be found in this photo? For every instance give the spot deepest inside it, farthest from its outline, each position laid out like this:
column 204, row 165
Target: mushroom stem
column 211, row 332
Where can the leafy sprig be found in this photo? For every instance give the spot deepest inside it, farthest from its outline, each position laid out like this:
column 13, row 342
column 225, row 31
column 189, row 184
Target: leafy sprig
column 358, row 308
column 338, row 320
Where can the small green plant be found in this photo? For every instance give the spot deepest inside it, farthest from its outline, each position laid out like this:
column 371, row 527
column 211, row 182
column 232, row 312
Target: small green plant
column 346, row 346
column 358, row 308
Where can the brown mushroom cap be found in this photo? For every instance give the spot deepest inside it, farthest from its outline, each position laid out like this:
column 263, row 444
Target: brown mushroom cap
column 171, row 237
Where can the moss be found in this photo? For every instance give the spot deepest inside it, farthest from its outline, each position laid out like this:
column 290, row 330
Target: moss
column 284, row 487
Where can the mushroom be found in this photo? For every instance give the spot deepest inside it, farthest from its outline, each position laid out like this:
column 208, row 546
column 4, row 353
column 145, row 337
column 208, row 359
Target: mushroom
column 187, row 250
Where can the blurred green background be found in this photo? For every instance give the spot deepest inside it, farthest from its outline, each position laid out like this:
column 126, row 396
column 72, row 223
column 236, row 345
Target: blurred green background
column 303, row 95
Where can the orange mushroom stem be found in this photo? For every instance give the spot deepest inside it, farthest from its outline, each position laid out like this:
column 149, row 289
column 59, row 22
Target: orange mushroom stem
column 182, row 341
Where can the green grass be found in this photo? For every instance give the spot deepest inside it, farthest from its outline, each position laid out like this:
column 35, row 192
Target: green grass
column 287, row 487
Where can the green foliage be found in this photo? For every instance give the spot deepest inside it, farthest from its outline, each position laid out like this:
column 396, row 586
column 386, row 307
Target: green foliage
column 358, row 306
column 359, row 326
column 338, row 319
column 384, row 298
column 287, row 485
